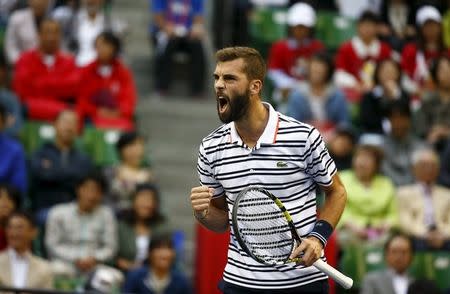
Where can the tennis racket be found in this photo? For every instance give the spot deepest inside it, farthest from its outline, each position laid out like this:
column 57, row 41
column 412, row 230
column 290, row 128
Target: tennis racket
column 265, row 231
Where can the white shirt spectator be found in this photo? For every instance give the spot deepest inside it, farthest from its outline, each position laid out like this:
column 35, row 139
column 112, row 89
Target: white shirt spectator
column 87, row 32
column 400, row 283
column 19, row 268
column 21, row 34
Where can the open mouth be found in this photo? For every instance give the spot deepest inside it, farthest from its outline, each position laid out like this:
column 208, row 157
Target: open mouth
column 222, row 103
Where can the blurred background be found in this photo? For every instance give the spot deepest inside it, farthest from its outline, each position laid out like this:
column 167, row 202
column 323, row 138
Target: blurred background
column 103, row 104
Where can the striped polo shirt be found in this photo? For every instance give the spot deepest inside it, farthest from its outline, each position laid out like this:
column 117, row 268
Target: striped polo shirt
column 289, row 160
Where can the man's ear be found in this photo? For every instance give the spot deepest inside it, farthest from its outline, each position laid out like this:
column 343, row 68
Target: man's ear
column 256, row 87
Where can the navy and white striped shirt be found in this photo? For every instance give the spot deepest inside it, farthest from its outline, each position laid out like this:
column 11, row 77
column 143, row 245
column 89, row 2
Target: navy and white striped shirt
column 289, row 160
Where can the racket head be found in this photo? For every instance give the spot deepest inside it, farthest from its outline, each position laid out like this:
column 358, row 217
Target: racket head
column 263, row 227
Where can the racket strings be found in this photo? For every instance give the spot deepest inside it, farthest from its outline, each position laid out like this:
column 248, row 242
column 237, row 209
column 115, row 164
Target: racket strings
column 264, row 228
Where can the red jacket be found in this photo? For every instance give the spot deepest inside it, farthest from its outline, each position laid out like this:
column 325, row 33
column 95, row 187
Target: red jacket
column 350, row 60
column 118, row 86
column 32, row 78
column 289, row 57
column 409, row 60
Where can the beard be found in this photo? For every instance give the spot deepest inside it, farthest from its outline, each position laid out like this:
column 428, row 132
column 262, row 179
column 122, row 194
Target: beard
column 237, row 107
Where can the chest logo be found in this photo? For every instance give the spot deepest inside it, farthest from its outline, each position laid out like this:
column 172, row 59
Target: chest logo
column 281, row 164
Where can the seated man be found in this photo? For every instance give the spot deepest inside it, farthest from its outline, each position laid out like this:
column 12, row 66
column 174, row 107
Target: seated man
column 399, row 144
column 22, row 32
column 82, row 234
column 398, row 255
column 425, row 205
column 12, row 158
column 159, row 275
column 178, row 26
column 45, row 78
column 82, row 22
column 432, row 120
column 19, row 267
column 108, row 96
column 57, row 166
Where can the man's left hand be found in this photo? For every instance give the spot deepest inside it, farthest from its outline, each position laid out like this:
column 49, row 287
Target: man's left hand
column 311, row 248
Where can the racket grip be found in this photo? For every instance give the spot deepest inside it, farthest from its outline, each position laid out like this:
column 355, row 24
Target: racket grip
column 333, row 273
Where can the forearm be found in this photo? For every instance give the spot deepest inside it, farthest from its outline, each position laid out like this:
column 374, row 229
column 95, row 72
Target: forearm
column 104, row 254
column 214, row 219
column 63, row 252
column 334, row 205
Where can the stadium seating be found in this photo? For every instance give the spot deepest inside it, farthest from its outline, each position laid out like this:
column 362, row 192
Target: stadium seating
column 34, row 134
column 266, row 25
column 434, row 266
column 334, row 29
column 100, row 145
column 359, row 259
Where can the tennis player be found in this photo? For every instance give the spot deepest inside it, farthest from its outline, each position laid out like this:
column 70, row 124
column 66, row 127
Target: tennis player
column 259, row 146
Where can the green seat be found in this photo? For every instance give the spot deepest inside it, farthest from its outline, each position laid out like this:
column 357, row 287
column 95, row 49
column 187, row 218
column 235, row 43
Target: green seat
column 334, row 29
column 267, row 25
column 34, row 134
column 67, row 284
column 359, row 259
column 434, row 266
column 100, row 144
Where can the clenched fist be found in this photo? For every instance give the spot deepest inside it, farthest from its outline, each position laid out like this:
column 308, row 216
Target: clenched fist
column 200, row 200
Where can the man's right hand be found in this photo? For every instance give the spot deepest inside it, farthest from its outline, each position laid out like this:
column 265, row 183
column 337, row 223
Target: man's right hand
column 200, row 200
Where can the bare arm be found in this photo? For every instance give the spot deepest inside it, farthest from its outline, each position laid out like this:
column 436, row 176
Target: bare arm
column 211, row 213
column 335, row 200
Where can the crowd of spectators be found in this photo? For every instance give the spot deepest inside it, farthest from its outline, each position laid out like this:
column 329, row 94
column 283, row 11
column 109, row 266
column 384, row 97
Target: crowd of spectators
column 67, row 222
column 381, row 100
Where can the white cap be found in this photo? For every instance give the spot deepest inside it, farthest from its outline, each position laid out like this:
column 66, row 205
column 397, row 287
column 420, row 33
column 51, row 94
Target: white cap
column 427, row 13
column 301, row 14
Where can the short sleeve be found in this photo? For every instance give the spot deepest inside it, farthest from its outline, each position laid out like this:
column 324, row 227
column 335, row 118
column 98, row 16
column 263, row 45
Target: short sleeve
column 205, row 173
column 319, row 164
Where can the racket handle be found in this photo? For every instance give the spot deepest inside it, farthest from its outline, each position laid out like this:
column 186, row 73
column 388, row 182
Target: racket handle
column 333, row 273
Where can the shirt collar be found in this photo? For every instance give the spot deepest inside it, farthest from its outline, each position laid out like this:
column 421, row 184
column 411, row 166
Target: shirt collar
column 365, row 51
column 84, row 17
column 270, row 132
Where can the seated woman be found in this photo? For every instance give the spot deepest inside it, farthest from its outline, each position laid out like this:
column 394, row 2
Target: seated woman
column 432, row 120
column 130, row 172
column 387, row 89
column 318, row 102
column 138, row 226
column 108, row 95
column 160, row 275
column 371, row 206
column 9, row 202
column 417, row 57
